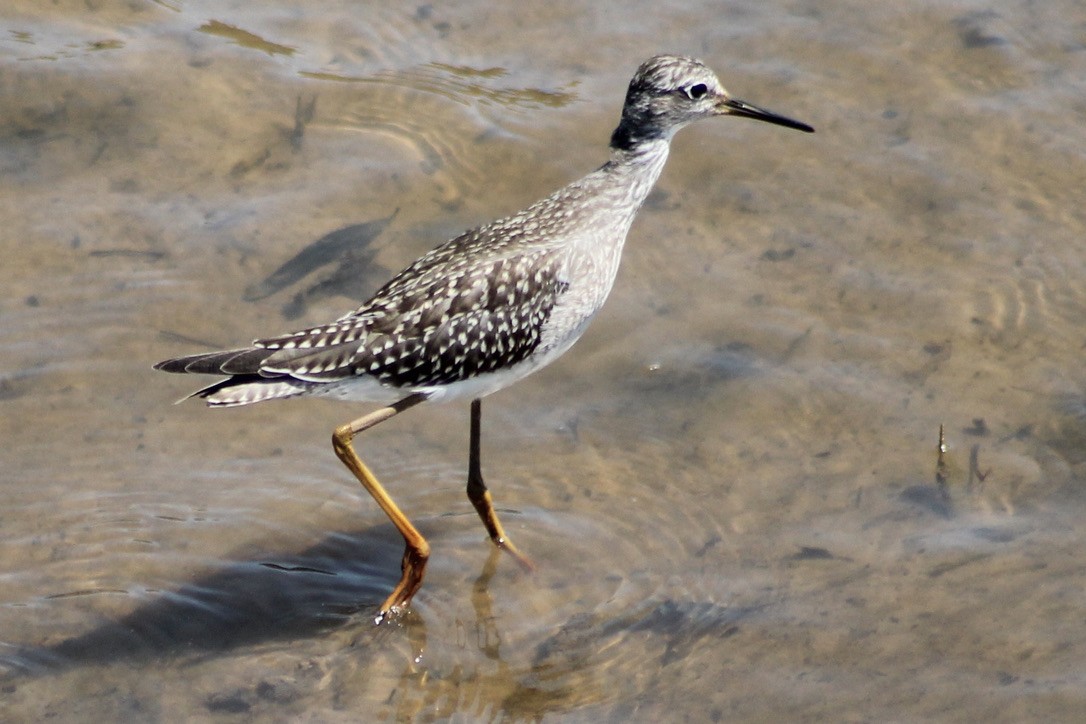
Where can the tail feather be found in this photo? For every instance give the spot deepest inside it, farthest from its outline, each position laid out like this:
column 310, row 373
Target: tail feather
column 245, row 361
column 249, row 389
column 228, row 362
column 246, row 383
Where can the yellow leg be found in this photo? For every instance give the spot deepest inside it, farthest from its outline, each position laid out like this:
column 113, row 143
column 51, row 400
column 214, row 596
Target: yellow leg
column 416, row 550
column 480, row 496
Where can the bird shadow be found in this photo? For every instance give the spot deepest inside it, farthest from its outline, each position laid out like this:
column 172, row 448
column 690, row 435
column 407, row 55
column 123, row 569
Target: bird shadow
column 334, row 587
column 352, row 249
column 266, row 597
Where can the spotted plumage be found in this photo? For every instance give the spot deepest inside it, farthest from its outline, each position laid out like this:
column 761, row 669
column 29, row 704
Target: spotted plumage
column 492, row 298
column 485, row 309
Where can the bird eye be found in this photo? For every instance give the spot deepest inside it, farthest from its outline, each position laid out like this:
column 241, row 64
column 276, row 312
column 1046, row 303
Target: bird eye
column 696, row 91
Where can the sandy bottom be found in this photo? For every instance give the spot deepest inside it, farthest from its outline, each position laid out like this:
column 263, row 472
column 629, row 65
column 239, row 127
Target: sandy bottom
column 730, row 485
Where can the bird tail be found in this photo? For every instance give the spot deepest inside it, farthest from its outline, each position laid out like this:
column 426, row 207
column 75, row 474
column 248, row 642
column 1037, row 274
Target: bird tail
column 245, row 383
column 249, row 389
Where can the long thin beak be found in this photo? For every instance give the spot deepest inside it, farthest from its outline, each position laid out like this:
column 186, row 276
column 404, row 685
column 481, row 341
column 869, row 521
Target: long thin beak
column 736, row 107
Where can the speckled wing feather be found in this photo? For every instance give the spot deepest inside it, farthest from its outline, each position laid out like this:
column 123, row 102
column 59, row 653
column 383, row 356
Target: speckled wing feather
column 448, row 317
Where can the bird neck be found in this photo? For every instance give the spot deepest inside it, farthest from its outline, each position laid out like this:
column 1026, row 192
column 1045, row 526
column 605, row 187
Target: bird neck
column 619, row 188
column 638, row 127
column 635, row 168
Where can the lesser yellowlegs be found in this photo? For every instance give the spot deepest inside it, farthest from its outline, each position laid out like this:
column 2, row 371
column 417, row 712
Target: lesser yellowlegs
column 485, row 309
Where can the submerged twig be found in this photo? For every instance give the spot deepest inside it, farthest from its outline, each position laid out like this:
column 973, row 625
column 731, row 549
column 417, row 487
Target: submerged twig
column 975, row 471
column 940, row 466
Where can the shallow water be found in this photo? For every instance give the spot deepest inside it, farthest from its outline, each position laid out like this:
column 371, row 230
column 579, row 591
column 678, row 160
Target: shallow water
column 729, row 485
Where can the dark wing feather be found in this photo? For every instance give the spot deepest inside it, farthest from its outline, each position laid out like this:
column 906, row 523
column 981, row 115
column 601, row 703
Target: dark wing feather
column 228, row 362
column 450, row 322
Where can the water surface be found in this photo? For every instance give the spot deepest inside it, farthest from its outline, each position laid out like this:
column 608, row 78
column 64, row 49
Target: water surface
column 729, row 485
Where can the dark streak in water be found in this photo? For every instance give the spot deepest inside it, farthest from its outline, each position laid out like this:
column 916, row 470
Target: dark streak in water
column 351, row 249
column 297, row 569
column 130, row 253
column 812, row 553
column 188, row 341
column 85, row 592
column 681, row 625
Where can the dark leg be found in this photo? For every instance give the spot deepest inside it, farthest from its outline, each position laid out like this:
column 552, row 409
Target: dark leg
column 480, row 496
column 417, row 550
